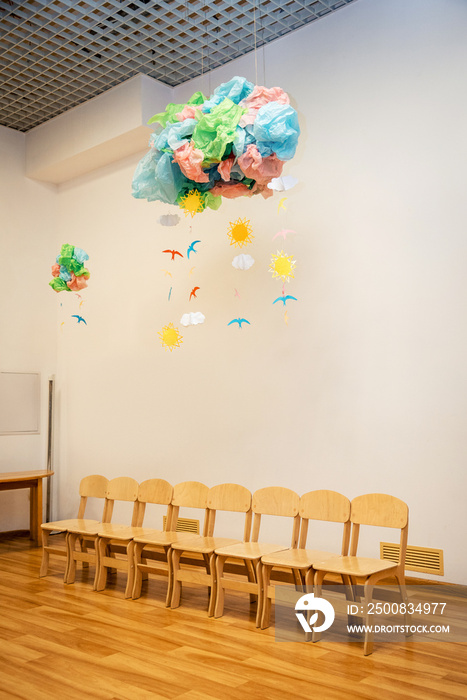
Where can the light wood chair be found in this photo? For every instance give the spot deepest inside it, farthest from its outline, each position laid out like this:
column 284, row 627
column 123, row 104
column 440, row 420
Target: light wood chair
column 273, row 500
column 231, row 498
column 321, row 505
column 152, row 551
column 121, row 488
column 90, row 487
column 379, row 510
column 152, row 491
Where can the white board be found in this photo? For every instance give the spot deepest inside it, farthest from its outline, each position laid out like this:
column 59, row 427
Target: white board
column 20, row 407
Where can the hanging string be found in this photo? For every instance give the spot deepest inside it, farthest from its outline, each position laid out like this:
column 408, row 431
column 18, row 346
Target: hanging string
column 256, row 54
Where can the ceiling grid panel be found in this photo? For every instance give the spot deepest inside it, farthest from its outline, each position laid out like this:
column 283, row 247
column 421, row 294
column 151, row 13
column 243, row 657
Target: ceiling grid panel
column 56, row 55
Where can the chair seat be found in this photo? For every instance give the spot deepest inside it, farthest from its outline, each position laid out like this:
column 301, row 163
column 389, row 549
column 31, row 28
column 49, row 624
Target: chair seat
column 85, row 527
column 354, row 566
column 164, row 539
column 249, row 550
column 120, row 532
column 65, row 524
column 204, row 545
column 296, row 558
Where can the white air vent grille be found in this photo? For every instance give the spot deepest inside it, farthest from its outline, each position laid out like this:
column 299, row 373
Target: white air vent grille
column 423, row 559
column 186, row 525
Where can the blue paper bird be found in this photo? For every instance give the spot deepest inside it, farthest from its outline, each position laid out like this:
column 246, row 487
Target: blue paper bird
column 80, row 318
column 284, row 299
column 239, row 321
column 191, row 248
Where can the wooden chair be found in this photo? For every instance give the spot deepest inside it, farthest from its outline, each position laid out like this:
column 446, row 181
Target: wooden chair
column 328, row 506
column 276, row 501
column 154, row 491
column 121, row 488
column 90, row 487
column 232, row 498
column 378, row 510
column 152, row 551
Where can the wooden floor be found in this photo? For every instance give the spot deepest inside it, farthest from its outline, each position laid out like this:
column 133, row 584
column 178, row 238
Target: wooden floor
column 60, row 642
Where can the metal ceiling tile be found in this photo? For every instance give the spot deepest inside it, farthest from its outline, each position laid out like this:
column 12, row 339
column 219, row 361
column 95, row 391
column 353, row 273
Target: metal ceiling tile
column 56, row 55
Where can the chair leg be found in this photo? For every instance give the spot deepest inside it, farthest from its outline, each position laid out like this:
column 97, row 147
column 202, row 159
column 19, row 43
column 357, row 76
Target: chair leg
column 130, row 559
column 170, row 582
column 368, row 621
column 45, row 555
column 176, row 585
column 101, row 568
column 316, row 583
column 213, row 586
column 84, row 548
column 207, row 563
column 138, row 575
column 266, row 614
column 251, row 574
column 403, row 591
column 310, row 587
column 220, row 595
column 70, row 571
column 259, row 579
column 297, row 578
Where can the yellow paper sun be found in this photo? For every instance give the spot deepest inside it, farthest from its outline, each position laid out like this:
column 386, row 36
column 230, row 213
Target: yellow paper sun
column 282, row 266
column 192, row 203
column 170, row 337
column 240, row 232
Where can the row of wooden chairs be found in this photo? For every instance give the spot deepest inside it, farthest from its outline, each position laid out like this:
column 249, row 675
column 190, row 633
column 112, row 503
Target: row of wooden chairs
column 141, row 551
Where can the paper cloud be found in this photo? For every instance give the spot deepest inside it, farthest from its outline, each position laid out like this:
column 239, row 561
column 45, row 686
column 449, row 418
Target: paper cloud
column 243, row 261
column 192, row 319
column 283, row 183
column 169, row 219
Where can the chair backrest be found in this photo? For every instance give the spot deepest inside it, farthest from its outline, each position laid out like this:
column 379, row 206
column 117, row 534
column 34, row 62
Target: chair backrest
column 93, row 486
column 123, row 488
column 380, row 510
column 232, row 498
column 328, row 506
column 157, row 491
column 276, row 500
column 190, row 494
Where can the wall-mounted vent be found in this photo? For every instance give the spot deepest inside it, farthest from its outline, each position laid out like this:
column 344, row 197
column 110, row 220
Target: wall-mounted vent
column 186, row 525
column 423, row 559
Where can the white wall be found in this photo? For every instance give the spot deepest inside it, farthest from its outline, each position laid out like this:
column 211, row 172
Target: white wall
column 27, row 310
column 365, row 389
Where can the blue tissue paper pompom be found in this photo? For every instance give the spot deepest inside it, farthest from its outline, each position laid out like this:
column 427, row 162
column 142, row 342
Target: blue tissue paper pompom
column 276, row 130
column 235, row 89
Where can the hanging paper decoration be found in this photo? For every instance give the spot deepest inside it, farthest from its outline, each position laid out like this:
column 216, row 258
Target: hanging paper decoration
column 285, row 298
column 282, row 266
column 239, row 321
column 283, row 183
column 240, row 232
column 192, row 203
column 243, row 262
column 173, row 253
column 283, row 233
column 170, row 337
column 169, row 219
column 192, row 319
column 281, row 205
column 69, row 272
column 79, row 319
column 231, row 145
column 193, row 293
column 191, row 249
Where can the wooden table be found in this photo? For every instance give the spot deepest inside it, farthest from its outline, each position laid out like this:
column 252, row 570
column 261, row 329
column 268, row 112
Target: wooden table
column 28, row 480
